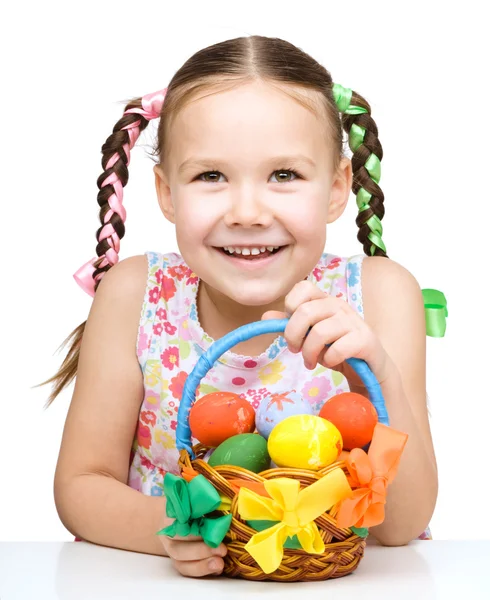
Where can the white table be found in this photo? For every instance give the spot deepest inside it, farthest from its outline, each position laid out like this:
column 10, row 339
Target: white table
column 79, row 570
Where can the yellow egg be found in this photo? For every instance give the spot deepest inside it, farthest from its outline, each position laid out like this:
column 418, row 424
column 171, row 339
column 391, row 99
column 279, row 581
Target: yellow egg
column 305, row 442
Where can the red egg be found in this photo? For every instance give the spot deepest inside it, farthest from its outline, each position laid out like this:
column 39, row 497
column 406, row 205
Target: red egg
column 217, row 416
column 353, row 415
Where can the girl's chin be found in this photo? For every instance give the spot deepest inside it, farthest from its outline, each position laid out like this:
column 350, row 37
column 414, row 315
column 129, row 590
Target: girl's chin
column 255, row 296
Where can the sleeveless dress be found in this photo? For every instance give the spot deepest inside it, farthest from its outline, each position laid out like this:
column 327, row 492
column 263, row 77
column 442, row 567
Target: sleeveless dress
column 170, row 341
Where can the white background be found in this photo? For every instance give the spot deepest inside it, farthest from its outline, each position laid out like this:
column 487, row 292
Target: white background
column 66, row 70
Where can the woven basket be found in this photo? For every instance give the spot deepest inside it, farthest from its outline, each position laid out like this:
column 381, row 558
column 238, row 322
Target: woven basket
column 343, row 548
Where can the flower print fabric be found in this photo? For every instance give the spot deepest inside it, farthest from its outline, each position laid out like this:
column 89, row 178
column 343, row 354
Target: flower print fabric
column 170, row 341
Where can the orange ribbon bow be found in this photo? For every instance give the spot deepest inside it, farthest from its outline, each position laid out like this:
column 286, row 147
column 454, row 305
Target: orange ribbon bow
column 371, row 474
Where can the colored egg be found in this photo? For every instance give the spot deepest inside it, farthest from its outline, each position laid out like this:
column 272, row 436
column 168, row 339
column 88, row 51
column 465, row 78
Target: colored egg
column 274, row 408
column 305, row 442
column 217, row 416
column 354, row 416
column 247, row 450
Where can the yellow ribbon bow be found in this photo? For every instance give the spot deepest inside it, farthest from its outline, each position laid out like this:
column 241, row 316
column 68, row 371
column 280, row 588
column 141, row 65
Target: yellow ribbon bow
column 295, row 510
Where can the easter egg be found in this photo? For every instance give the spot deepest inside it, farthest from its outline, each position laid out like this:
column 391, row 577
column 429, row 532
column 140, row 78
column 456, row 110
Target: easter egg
column 305, row 442
column 217, row 416
column 354, row 416
column 274, row 408
column 247, row 450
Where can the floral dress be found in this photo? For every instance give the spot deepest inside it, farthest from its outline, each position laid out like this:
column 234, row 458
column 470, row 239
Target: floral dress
column 170, row 341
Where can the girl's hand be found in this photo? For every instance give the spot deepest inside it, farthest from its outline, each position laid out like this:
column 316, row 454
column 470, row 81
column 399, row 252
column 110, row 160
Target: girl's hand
column 191, row 557
column 334, row 322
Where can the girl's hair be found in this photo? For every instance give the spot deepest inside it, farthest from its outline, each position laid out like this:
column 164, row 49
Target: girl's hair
column 224, row 66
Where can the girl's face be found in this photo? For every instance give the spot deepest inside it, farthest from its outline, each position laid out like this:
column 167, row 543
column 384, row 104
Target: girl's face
column 228, row 183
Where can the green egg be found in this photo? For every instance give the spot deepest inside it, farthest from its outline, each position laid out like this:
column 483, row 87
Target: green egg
column 247, row 450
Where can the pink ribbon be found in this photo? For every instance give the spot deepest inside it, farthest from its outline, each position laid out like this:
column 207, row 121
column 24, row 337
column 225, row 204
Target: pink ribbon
column 151, row 107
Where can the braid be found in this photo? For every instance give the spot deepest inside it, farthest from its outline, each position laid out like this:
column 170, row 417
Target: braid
column 112, row 215
column 366, row 166
column 115, row 161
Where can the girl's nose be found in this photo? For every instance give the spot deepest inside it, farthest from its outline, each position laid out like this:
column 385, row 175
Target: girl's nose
column 247, row 209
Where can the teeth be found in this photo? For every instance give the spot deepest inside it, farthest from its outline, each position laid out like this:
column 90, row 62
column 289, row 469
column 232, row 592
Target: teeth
column 248, row 251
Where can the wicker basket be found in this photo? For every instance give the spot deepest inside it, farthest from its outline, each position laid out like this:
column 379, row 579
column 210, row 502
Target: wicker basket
column 343, row 548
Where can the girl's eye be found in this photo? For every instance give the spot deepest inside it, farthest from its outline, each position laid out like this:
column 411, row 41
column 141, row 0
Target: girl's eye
column 295, row 173
column 208, row 173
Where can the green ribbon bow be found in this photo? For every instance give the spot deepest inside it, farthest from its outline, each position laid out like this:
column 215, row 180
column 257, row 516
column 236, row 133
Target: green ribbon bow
column 187, row 503
column 435, row 304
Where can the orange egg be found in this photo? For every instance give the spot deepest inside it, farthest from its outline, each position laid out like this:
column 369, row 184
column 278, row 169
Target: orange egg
column 217, row 416
column 353, row 415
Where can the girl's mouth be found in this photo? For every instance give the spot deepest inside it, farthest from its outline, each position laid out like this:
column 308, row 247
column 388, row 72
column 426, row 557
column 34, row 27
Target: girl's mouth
column 251, row 261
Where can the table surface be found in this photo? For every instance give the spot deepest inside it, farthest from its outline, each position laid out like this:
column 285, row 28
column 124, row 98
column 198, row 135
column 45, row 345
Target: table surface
column 75, row 571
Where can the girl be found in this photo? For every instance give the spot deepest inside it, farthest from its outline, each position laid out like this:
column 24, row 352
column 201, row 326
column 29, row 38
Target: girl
column 250, row 171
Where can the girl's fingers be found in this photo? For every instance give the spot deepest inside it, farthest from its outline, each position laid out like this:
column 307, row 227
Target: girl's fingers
column 307, row 315
column 324, row 332
column 302, row 292
column 193, row 551
column 345, row 347
column 199, row 568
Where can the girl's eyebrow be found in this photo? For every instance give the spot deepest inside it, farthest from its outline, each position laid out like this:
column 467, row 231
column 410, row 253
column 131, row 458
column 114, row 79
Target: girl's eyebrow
column 197, row 161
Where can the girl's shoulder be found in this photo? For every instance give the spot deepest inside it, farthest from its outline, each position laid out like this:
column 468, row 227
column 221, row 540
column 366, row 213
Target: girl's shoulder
column 389, row 287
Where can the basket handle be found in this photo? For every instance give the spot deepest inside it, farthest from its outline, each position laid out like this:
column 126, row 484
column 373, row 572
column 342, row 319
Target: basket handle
column 241, row 334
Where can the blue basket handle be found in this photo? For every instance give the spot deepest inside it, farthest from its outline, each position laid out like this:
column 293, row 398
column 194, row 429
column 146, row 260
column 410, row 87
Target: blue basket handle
column 246, row 332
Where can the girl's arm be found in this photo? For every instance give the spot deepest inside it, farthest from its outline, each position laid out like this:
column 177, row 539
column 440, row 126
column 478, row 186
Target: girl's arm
column 394, row 309
column 90, row 488
column 105, row 511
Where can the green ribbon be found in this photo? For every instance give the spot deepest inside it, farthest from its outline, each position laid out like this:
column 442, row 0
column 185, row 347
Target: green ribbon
column 343, row 97
column 356, row 136
column 188, row 503
column 434, row 301
column 435, row 305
